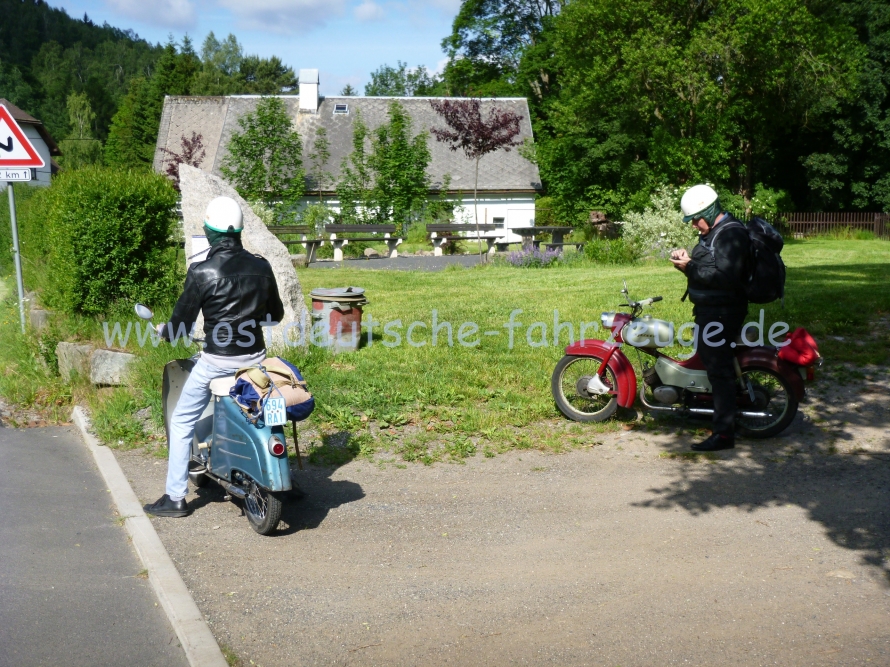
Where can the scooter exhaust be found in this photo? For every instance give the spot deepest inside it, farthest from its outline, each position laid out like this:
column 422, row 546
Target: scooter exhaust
column 695, row 411
column 236, row 491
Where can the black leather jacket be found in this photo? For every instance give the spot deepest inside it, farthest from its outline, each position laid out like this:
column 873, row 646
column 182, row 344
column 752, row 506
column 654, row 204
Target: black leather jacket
column 236, row 290
column 717, row 275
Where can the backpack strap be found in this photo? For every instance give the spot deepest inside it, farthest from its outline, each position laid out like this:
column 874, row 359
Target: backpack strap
column 719, row 229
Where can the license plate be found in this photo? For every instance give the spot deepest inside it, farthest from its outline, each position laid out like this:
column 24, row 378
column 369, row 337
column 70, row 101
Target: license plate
column 275, row 411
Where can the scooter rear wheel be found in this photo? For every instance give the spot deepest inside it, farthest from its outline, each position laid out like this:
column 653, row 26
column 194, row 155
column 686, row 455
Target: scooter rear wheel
column 569, row 387
column 262, row 509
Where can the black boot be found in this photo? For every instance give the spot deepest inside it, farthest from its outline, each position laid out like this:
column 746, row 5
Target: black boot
column 163, row 506
column 715, row 443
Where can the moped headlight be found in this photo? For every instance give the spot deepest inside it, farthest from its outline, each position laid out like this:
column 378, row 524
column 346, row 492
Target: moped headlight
column 276, row 446
column 607, row 319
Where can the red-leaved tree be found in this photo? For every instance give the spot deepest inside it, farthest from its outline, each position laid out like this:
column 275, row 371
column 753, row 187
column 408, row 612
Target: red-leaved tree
column 476, row 136
column 192, row 153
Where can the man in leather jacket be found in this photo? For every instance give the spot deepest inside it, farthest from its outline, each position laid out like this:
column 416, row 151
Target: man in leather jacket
column 237, row 294
column 716, row 273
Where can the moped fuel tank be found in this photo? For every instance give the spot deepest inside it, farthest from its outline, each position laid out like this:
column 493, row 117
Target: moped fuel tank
column 648, row 332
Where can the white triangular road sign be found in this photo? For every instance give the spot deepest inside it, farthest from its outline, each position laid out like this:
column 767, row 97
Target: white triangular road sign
column 15, row 148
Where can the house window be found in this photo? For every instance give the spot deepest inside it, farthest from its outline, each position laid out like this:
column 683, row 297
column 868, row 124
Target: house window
column 498, row 221
column 341, row 108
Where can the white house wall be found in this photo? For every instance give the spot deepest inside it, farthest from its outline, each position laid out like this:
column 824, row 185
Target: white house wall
column 45, row 172
column 514, row 210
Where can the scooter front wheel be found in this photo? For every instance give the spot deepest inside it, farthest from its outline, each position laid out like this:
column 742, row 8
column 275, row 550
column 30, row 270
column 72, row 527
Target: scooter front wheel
column 262, row 508
column 577, row 392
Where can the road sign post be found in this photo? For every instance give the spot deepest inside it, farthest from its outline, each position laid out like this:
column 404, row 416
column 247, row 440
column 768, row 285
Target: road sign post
column 17, row 158
column 17, row 255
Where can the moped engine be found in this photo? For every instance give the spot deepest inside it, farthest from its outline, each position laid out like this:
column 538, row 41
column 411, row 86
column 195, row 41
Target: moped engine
column 666, row 394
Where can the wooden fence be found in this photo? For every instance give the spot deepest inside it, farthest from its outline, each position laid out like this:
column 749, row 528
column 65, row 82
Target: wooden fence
column 800, row 225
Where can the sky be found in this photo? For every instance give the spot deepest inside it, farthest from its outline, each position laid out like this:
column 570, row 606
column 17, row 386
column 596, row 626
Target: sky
column 344, row 39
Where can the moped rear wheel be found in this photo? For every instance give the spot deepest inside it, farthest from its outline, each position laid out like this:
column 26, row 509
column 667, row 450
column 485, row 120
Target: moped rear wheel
column 570, row 385
column 262, row 508
column 773, row 396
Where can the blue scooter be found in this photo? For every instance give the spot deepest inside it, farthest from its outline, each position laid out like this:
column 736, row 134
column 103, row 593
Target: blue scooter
column 247, row 459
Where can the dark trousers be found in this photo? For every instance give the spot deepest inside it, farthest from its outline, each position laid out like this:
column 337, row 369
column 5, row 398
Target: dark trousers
column 718, row 360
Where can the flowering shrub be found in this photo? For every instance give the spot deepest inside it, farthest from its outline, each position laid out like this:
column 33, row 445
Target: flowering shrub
column 660, row 227
column 530, row 257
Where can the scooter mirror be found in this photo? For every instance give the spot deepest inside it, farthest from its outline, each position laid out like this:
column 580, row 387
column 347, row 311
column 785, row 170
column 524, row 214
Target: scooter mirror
column 144, row 312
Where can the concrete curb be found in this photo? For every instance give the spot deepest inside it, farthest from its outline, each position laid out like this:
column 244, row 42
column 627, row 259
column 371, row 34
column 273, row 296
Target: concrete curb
column 197, row 641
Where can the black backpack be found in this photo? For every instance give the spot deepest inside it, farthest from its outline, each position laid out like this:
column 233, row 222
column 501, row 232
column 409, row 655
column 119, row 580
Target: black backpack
column 766, row 282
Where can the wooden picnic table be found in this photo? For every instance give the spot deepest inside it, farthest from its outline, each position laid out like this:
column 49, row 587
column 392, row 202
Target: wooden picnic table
column 436, row 228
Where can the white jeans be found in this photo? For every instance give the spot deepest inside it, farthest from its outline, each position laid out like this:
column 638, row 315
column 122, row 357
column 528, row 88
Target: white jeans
column 192, row 402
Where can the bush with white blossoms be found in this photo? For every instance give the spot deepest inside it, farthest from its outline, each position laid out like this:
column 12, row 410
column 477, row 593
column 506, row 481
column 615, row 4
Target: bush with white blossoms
column 660, row 227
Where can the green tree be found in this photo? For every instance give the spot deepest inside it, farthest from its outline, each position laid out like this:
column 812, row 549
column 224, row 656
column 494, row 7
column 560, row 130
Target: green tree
column 131, row 140
column 348, row 91
column 399, row 162
column 488, row 41
column 399, row 81
column 318, row 157
column 356, row 184
column 264, row 160
column 80, row 149
column 673, row 92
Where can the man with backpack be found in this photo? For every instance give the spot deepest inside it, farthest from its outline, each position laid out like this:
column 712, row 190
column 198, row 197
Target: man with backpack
column 718, row 274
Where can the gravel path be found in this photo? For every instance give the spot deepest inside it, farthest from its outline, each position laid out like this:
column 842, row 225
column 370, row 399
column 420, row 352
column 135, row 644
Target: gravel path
column 773, row 554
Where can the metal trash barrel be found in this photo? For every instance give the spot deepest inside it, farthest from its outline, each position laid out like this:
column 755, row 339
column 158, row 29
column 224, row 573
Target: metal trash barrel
column 337, row 317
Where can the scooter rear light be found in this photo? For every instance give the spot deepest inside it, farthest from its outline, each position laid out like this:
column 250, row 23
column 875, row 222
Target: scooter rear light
column 276, row 446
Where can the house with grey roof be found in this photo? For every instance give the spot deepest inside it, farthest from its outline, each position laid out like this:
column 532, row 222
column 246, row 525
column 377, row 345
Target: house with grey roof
column 41, row 140
column 508, row 182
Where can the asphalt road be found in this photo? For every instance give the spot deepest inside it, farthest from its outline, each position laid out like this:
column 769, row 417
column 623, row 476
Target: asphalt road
column 70, row 590
column 401, row 263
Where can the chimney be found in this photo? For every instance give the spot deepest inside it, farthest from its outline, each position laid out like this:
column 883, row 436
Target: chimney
column 309, row 90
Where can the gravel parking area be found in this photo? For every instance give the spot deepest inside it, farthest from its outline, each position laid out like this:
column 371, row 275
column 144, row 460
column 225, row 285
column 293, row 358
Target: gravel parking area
column 620, row 553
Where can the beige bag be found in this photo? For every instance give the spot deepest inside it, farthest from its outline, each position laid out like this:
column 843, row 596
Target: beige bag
column 273, row 376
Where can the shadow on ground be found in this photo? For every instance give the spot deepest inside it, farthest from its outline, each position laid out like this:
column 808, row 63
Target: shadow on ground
column 848, row 494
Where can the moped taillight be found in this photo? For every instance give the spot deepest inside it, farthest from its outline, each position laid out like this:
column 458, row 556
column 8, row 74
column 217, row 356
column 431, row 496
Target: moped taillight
column 276, row 446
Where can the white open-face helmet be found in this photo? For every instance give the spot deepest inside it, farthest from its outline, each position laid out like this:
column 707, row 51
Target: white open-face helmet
column 224, row 215
column 696, row 199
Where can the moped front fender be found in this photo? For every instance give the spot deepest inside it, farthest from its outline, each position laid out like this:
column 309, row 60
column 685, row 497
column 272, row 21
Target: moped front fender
column 619, row 364
column 767, row 357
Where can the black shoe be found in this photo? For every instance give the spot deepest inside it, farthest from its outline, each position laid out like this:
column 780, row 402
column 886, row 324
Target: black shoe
column 715, row 443
column 163, row 506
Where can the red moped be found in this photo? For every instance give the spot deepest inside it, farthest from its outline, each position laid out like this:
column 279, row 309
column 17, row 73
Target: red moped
column 595, row 377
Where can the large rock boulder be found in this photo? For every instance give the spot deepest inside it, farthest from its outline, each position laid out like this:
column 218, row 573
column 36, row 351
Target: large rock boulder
column 198, row 188
column 73, row 358
column 109, row 367
column 39, row 319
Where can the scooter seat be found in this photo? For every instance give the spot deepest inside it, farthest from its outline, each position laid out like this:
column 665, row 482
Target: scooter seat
column 221, row 386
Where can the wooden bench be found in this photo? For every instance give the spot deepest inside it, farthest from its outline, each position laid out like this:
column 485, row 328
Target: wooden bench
column 303, row 231
column 385, row 230
column 493, row 240
column 528, row 235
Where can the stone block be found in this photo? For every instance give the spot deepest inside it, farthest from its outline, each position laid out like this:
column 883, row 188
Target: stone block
column 73, row 358
column 371, row 253
column 198, row 188
column 299, row 261
column 39, row 319
column 109, row 367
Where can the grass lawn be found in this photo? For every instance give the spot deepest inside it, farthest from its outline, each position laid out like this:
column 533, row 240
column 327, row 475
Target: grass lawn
column 458, row 399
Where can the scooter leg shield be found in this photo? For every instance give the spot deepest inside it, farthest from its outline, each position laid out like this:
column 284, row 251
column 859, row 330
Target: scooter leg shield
column 240, row 445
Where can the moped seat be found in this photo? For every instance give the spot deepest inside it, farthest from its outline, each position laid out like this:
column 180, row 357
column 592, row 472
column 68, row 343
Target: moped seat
column 221, row 386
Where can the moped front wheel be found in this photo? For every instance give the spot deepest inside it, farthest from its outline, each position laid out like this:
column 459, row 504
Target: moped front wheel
column 262, row 508
column 578, row 394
